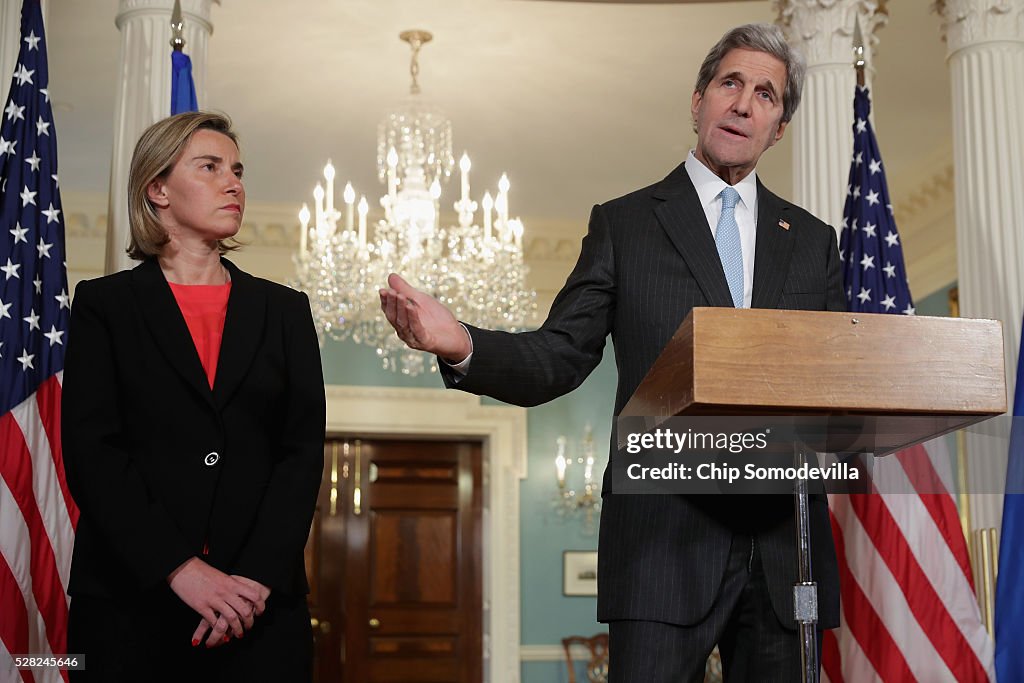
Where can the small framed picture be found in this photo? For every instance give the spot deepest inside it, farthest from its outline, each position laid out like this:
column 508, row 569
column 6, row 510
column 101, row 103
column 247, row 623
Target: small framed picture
column 579, row 572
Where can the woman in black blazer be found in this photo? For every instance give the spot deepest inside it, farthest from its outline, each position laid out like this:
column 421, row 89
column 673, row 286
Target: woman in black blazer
column 193, row 426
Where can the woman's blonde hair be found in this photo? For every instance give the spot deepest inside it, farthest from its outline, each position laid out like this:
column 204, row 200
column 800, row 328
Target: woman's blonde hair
column 154, row 157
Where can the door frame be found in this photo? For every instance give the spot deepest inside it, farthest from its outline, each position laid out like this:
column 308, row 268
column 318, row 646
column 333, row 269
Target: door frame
column 424, row 413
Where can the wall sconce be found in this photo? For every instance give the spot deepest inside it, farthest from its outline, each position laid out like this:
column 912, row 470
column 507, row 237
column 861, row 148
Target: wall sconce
column 571, row 470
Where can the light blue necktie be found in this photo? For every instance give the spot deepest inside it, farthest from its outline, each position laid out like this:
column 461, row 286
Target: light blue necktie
column 727, row 239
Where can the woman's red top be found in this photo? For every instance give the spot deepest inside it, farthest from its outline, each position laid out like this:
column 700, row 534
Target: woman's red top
column 204, row 307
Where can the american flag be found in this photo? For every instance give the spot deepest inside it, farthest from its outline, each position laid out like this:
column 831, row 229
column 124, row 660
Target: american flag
column 37, row 514
column 908, row 607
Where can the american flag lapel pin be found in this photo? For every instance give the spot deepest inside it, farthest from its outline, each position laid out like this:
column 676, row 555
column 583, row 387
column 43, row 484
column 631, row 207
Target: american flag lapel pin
column 783, row 224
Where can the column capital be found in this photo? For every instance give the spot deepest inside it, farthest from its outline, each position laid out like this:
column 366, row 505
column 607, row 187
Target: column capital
column 972, row 22
column 193, row 11
column 823, row 29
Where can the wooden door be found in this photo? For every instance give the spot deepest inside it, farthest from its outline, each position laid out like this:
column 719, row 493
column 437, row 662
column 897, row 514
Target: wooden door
column 325, row 567
column 407, row 527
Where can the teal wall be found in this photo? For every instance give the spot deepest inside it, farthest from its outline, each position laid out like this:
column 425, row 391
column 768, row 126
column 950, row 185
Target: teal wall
column 936, row 303
column 546, row 615
column 358, row 365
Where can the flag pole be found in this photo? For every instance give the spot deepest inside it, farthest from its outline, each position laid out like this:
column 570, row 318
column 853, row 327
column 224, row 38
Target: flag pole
column 183, row 89
column 963, row 498
column 858, row 53
column 177, row 28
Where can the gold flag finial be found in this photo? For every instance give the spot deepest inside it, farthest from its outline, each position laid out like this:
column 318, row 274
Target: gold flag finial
column 177, row 28
column 858, row 51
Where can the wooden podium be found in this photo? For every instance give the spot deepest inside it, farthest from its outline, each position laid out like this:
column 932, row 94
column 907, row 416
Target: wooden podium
column 910, row 379
column 895, row 369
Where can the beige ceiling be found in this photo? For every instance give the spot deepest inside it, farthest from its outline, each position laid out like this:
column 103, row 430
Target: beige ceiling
column 578, row 102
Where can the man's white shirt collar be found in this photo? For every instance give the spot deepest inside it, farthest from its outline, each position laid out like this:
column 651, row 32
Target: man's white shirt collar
column 709, row 186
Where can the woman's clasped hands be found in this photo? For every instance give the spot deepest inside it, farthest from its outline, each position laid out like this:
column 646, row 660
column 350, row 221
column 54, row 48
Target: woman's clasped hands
column 227, row 604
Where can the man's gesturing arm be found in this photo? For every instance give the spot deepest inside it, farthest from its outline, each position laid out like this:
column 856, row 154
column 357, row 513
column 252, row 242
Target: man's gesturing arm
column 422, row 322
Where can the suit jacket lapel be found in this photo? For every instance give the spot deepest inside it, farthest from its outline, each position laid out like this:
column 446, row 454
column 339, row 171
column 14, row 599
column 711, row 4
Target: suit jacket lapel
column 682, row 217
column 773, row 247
column 243, row 332
column 167, row 325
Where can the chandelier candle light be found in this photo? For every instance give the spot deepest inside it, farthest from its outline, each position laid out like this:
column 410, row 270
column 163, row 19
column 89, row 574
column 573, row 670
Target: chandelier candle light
column 475, row 271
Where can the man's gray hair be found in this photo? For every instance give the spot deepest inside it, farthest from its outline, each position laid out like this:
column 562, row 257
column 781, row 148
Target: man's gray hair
column 766, row 38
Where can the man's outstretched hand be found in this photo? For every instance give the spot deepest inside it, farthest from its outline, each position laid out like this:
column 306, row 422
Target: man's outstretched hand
column 422, row 322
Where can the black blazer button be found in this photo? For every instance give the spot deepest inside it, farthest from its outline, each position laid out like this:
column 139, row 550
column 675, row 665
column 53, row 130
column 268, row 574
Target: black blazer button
column 211, row 458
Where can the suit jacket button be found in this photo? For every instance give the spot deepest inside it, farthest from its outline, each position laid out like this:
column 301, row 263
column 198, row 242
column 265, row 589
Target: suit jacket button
column 211, row 458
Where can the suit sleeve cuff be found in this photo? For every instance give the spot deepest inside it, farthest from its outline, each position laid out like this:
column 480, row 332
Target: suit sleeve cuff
column 462, row 367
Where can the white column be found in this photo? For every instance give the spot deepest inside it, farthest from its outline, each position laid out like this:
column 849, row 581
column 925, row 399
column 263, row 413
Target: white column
column 823, row 30
column 985, row 40
column 144, row 94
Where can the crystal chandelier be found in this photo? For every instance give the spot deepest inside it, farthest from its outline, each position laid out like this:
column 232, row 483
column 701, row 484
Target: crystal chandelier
column 476, row 271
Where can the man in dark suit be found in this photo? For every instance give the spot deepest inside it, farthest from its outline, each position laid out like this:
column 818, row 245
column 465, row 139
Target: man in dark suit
column 677, row 574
